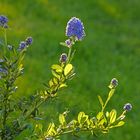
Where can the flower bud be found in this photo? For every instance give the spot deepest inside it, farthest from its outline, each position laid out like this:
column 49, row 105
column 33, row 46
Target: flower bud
column 3, row 21
column 29, row 41
column 63, row 58
column 127, row 107
column 68, row 43
column 113, row 83
column 22, row 45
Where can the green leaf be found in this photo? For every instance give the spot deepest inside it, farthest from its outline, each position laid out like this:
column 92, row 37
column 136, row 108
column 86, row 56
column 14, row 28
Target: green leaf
column 82, row 118
column 62, row 85
column 63, row 44
column 55, row 81
column 102, row 121
column 80, row 115
column 113, row 115
column 111, row 93
column 55, row 74
column 107, row 114
column 68, row 69
column 62, row 120
column 38, row 127
column 121, row 123
column 57, row 68
column 51, row 83
column 99, row 116
column 101, row 101
column 105, row 131
column 51, row 130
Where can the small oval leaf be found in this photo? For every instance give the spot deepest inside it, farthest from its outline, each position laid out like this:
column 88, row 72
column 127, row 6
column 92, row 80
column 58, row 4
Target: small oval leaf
column 113, row 115
column 68, row 69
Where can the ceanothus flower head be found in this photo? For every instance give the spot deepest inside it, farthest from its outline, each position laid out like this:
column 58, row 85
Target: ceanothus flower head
column 75, row 28
column 3, row 21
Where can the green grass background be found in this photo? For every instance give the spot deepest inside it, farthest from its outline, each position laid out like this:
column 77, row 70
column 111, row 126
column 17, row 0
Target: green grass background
column 110, row 49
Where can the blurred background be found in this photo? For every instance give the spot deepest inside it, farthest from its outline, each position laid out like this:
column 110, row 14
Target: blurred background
column 110, row 49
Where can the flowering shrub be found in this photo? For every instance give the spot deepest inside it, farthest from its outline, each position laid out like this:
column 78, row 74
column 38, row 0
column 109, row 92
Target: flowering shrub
column 17, row 116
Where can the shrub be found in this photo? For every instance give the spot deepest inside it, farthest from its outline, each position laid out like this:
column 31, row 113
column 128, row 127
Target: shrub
column 17, row 116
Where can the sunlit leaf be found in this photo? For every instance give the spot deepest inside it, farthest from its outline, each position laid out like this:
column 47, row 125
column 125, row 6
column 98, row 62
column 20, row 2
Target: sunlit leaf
column 57, row 68
column 99, row 116
column 121, row 123
column 101, row 101
column 51, row 83
column 62, row 119
column 62, row 85
column 113, row 115
column 107, row 114
column 82, row 118
column 80, row 115
column 51, row 129
column 55, row 74
column 111, row 93
column 55, row 80
column 68, row 69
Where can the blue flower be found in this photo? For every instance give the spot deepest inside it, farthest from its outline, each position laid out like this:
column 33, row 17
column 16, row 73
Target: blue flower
column 29, row 41
column 127, row 107
column 22, row 45
column 75, row 28
column 3, row 21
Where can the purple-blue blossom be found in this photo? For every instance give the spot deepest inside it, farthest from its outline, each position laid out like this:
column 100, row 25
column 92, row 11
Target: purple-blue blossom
column 22, row 45
column 68, row 42
column 3, row 21
column 127, row 107
column 114, row 82
column 63, row 57
column 75, row 28
column 29, row 40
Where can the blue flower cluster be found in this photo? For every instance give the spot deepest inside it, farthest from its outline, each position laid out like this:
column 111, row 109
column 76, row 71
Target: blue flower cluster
column 26, row 43
column 3, row 21
column 75, row 28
